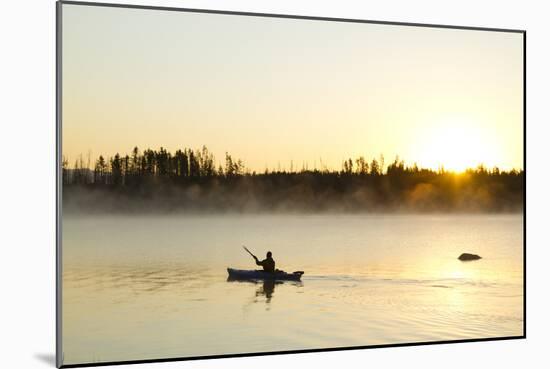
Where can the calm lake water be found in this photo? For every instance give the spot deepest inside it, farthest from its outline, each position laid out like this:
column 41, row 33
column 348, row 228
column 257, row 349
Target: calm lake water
column 144, row 287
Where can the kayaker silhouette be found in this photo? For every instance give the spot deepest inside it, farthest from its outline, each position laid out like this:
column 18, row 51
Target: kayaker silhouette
column 268, row 264
column 268, row 272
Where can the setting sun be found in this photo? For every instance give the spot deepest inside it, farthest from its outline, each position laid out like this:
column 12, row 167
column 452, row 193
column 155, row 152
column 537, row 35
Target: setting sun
column 456, row 146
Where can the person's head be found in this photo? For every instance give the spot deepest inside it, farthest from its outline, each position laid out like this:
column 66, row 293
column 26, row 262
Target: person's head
column 268, row 254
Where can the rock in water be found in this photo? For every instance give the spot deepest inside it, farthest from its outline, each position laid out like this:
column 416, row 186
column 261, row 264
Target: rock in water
column 468, row 257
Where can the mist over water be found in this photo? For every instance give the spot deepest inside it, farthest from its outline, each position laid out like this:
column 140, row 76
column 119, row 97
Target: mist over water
column 145, row 287
column 333, row 195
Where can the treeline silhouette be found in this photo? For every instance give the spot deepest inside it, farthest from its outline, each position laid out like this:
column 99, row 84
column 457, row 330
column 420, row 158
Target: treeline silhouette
column 189, row 180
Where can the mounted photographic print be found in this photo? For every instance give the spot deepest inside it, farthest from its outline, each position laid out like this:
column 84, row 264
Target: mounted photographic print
column 234, row 184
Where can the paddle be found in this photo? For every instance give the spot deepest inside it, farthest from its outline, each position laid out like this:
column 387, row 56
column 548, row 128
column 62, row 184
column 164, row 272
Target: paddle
column 247, row 250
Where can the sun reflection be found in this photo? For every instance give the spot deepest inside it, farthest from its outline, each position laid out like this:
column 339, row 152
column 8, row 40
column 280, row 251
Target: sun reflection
column 456, row 274
column 451, row 270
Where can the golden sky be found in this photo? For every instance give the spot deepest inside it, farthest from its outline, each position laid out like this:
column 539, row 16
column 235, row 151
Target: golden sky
column 272, row 91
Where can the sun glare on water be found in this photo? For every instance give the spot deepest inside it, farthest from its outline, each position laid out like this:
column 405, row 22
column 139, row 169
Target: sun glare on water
column 456, row 146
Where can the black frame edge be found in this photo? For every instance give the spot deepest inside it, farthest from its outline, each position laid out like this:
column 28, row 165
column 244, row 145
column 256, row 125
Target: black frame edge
column 287, row 352
column 288, row 16
column 525, row 184
column 58, row 187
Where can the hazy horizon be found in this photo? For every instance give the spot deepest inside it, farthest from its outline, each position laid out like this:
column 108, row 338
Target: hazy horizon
column 274, row 91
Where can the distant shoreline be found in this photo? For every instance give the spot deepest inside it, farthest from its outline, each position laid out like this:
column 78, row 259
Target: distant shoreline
column 188, row 181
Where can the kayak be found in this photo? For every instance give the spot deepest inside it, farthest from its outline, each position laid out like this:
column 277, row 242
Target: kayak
column 260, row 274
